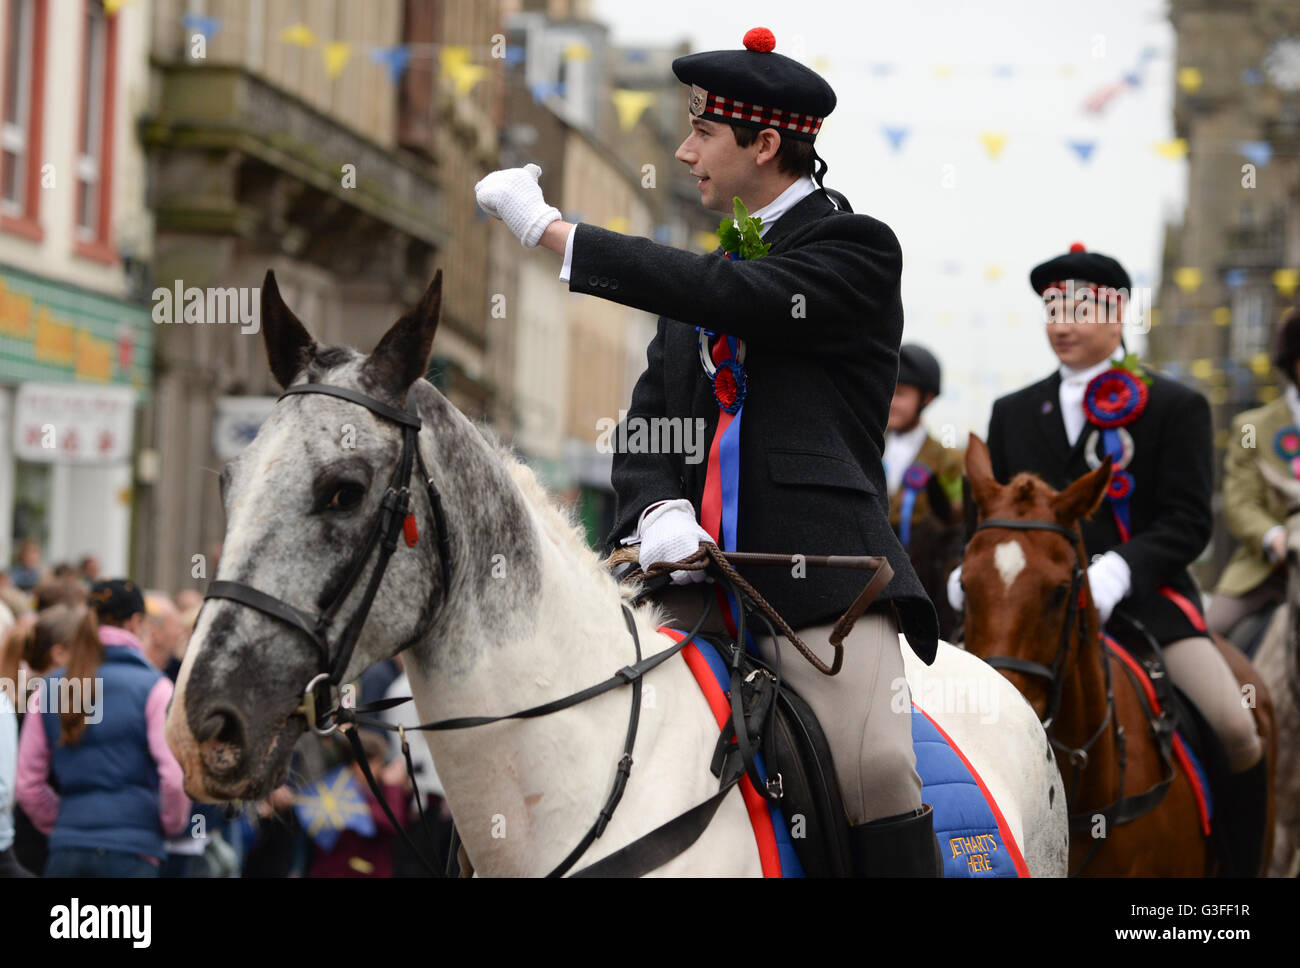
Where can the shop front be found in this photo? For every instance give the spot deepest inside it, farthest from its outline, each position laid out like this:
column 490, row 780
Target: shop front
column 75, row 367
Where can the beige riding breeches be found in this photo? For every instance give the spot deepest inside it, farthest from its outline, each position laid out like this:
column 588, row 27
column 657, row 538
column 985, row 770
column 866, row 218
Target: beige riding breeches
column 1225, row 611
column 864, row 710
column 1199, row 670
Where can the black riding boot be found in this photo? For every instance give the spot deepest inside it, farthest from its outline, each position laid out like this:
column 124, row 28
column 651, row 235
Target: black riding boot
column 900, row 846
column 1243, row 808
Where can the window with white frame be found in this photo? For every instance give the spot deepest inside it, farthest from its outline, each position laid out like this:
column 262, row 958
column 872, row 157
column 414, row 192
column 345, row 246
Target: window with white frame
column 91, row 141
column 15, row 132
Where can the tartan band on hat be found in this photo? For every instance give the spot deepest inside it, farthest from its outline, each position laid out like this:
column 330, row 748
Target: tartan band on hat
column 706, row 104
column 1079, row 286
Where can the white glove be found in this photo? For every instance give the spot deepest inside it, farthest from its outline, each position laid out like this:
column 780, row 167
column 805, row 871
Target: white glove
column 956, row 594
column 670, row 532
column 1109, row 579
column 513, row 195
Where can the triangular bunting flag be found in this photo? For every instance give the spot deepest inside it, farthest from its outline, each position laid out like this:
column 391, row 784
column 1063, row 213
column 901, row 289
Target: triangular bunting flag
column 896, row 136
column 1083, row 149
column 630, row 105
column 1173, row 149
column 299, row 35
column 336, row 55
column 1258, row 153
column 466, row 76
column 993, row 142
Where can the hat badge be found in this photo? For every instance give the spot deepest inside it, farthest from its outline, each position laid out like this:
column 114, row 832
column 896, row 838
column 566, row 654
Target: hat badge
column 698, row 97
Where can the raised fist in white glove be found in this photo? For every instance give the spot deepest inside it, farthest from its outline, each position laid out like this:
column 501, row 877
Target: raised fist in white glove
column 513, row 195
column 1108, row 578
column 956, row 594
column 670, row 532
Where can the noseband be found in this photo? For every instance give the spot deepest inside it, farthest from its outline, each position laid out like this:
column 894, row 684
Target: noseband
column 1074, row 614
column 394, row 508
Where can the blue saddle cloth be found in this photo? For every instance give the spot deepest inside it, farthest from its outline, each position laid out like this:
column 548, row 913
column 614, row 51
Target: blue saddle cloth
column 971, row 839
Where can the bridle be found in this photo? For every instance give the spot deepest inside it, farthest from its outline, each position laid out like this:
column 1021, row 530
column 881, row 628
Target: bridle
column 1075, row 615
column 1124, row 808
column 317, row 704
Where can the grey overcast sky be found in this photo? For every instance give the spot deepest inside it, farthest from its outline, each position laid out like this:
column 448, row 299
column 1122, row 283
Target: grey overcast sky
column 1020, row 68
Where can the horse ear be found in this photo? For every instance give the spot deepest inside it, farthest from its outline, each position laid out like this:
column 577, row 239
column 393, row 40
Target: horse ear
column 288, row 344
column 1082, row 497
column 979, row 471
column 402, row 356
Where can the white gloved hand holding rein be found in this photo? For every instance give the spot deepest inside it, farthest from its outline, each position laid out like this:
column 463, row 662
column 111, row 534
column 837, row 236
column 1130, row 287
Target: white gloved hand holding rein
column 669, row 532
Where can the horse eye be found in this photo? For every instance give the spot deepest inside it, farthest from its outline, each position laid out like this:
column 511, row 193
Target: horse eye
column 1058, row 596
column 346, row 496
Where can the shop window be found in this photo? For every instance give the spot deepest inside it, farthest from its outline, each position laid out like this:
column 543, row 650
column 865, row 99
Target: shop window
column 22, row 101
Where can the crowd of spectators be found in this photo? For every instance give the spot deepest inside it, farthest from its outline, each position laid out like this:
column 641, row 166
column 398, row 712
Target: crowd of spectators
column 95, row 791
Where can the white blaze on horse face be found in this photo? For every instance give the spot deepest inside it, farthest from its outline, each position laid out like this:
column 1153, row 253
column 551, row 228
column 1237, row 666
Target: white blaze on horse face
column 1009, row 558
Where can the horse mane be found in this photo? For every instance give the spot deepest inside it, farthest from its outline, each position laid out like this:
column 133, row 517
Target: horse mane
column 560, row 523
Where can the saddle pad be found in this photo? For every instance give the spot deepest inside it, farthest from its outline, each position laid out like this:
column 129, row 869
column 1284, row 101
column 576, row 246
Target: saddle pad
column 771, row 832
column 1187, row 760
column 973, row 834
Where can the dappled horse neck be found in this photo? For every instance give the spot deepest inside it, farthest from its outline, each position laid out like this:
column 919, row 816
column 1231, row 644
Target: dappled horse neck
column 496, row 561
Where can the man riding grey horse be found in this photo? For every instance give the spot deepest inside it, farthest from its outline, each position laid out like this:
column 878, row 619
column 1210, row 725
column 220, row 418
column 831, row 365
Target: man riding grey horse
column 801, row 341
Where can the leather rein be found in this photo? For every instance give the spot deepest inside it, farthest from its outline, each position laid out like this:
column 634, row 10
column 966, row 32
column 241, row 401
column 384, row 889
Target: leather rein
column 1123, row 809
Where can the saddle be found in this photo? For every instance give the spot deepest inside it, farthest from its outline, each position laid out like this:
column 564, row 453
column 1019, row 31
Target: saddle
column 1179, row 715
column 796, row 762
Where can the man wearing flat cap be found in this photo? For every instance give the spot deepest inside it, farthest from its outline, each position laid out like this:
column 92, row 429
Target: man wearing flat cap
column 1155, row 519
column 785, row 341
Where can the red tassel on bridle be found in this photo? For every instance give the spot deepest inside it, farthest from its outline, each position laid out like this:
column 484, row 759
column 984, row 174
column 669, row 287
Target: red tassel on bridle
column 411, row 531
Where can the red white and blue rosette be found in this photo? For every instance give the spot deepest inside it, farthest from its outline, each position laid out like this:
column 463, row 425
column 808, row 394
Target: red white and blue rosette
column 1115, row 398
column 1287, row 446
column 1112, row 400
column 915, row 478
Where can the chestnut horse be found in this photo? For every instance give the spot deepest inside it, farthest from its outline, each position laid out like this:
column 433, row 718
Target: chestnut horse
column 1028, row 605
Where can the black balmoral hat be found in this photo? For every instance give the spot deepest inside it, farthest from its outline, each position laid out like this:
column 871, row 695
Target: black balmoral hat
column 1082, row 266
column 756, row 88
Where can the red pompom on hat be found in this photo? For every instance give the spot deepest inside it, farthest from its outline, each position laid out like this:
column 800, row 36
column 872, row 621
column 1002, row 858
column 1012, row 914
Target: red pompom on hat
column 760, row 39
column 1078, row 247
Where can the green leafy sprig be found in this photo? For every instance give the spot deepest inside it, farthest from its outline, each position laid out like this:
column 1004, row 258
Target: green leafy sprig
column 744, row 241
column 1134, row 366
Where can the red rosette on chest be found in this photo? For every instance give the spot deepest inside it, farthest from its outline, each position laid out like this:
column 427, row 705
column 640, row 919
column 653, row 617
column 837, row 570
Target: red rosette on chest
column 729, row 385
column 1120, row 486
column 1114, row 398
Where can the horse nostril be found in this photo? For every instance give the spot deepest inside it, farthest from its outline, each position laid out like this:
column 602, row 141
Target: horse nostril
column 222, row 725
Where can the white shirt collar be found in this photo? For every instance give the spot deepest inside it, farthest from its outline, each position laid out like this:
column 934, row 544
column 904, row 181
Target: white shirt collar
column 1071, row 376
column 1293, row 402
column 796, row 192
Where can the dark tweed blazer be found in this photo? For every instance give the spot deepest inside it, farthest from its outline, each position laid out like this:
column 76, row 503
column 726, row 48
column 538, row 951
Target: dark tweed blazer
column 822, row 319
column 1169, row 513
